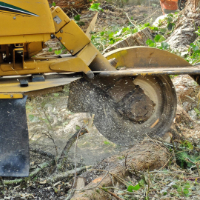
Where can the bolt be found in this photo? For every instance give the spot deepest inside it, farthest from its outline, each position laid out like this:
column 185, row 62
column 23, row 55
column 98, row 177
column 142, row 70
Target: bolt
column 11, row 96
column 52, row 36
column 71, row 51
column 14, row 17
column 61, row 31
column 60, row 38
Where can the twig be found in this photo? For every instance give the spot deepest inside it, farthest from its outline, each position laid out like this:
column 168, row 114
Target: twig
column 113, row 194
column 75, row 152
column 34, row 173
column 75, row 172
column 63, row 175
column 43, row 153
column 68, row 145
column 131, row 21
column 149, row 16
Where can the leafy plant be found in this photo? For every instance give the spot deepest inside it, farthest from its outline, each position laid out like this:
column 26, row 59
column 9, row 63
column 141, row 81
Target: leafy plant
column 114, row 34
column 131, row 188
column 95, row 7
column 184, row 190
column 77, row 17
column 53, row 4
column 58, row 52
column 106, row 142
column 50, row 49
column 197, row 112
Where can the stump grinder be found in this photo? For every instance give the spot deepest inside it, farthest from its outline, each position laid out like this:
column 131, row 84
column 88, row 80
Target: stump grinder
column 128, row 104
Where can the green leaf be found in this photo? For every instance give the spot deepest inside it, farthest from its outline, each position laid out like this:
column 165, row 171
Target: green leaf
column 170, row 26
column 78, row 127
column 164, row 45
column 106, row 142
column 132, row 188
column 77, row 17
column 31, row 117
column 56, row 94
column 102, row 33
column 111, row 35
column 186, row 192
column 95, row 7
column 153, row 28
column 58, row 52
column 157, row 38
column 50, row 49
column 53, row 4
column 142, row 182
column 196, row 110
column 149, row 42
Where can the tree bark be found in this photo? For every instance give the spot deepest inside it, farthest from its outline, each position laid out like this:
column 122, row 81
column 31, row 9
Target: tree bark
column 188, row 22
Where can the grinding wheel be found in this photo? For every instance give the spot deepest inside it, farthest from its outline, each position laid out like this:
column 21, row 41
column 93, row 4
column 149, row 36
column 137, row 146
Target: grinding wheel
column 126, row 109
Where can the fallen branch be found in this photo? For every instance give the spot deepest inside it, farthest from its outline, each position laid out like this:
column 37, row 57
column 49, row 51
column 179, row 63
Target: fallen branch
column 33, row 174
column 68, row 145
column 113, row 194
column 63, row 175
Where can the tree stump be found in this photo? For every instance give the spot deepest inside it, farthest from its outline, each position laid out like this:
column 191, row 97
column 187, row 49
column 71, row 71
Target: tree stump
column 147, row 155
column 184, row 33
column 136, row 39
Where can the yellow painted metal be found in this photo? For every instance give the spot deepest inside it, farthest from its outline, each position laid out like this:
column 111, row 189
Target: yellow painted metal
column 16, row 39
column 71, row 65
column 145, row 57
column 11, row 95
column 72, row 37
column 34, row 48
column 27, row 18
column 34, row 86
column 44, row 66
column 59, row 17
column 88, row 53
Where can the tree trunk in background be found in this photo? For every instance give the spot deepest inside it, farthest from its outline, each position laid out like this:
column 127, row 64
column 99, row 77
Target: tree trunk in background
column 188, row 22
column 72, row 6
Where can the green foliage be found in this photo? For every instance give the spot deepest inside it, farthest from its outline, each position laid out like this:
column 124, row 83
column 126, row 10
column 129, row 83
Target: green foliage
column 56, row 94
column 197, row 112
column 193, row 53
column 186, row 159
column 50, row 49
column 158, row 43
column 77, row 17
column 114, row 34
column 132, row 188
column 31, row 117
column 58, row 52
column 78, row 128
column 95, row 7
column 106, row 142
column 53, row 4
column 159, row 38
column 184, row 190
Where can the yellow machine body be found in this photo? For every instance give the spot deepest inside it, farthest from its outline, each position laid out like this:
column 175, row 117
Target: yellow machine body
column 25, row 21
